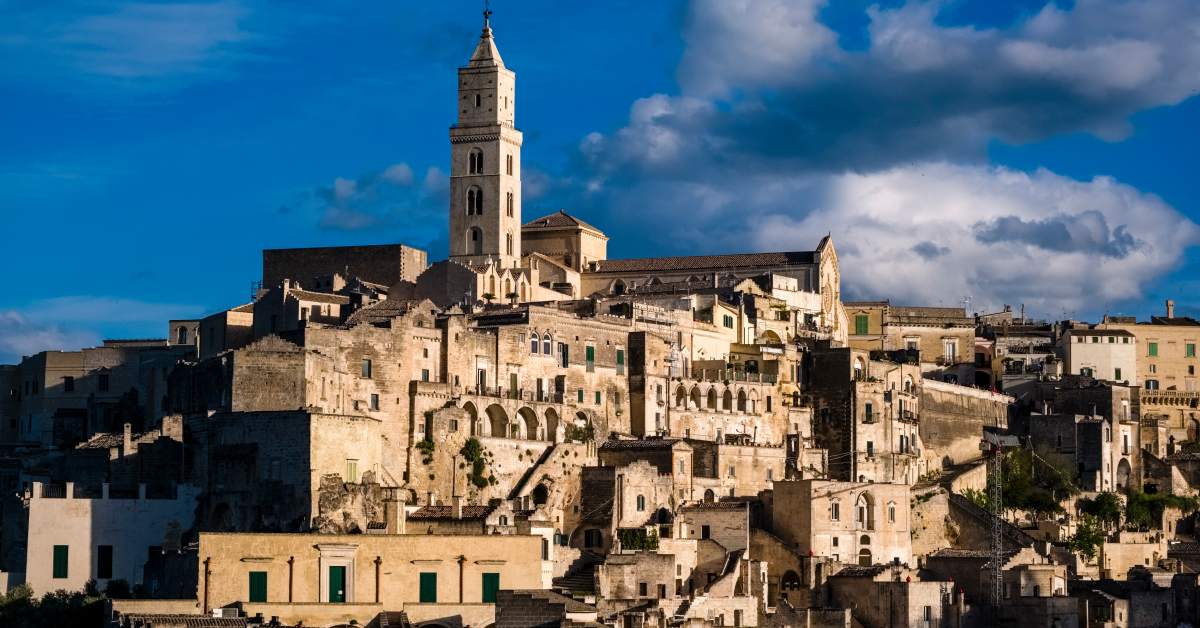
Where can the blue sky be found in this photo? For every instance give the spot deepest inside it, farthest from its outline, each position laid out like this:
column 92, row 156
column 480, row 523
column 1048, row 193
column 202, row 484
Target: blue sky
column 1023, row 152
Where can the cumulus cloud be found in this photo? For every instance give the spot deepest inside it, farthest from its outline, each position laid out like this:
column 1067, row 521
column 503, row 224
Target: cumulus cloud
column 20, row 336
column 374, row 199
column 765, row 84
column 778, row 135
column 994, row 234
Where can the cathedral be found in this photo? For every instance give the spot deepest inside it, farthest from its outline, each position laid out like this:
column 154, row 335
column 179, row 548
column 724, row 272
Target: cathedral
column 497, row 257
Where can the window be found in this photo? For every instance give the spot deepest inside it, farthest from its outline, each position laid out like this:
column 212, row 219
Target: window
column 546, row 343
column 590, row 358
column 592, row 538
column 860, row 324
column 428, row 593
column 728, row 321
column 102, row 382
column 60, row 561
column 1117, row 374
column 1095, row 339
column 474, row 201
column 835, row 511
column 949, row 349
column 1191, row 369
column 620, row 361
column 104, row 562
column 1189, row 350
column 705, row 532
column 662, row 591
column 1152, row 384
column 1153, row 368
column 508, row 164
column 508, row 246
column 478, row 100
column 351, row 471
column 258, row 586
column 868, row 413
column 891, row 512
column 533, row 342
column 598, row 397
column 1152, row 349
column 475, row 161
column 424, row 375
column 366, row 368
column 870, row 449
column 491, row 585
column 68, row 384
column 374, row 401
column 770, row 475
column 1112, row 340
column 768, row 403
column 643, row 589
column 508, row 203
column 730, row 471
column 682, row 465
column 641, row 503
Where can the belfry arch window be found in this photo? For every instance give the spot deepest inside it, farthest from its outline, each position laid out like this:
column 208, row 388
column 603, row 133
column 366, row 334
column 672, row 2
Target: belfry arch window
column 474, row 201
column 533, row 342
column 547, row 342
column 475, row 161
column 475, row 241
column 508, row 203
column 508, row 163
column 508, row 247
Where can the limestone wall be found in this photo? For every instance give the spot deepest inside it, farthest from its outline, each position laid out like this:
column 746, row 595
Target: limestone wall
column 952, row 421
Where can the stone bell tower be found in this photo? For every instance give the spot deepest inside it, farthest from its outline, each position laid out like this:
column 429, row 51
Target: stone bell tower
column 485, row 154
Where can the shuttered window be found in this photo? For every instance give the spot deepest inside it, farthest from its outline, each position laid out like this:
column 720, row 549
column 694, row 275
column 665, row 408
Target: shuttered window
column 428, row 588
column 258, row 586
column 860, row 325
column 491, row 585
column 60, row 561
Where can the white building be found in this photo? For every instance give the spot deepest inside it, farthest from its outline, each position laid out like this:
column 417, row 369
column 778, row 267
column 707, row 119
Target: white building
column 1109, row 354
column 851, row 522
column 73, row 540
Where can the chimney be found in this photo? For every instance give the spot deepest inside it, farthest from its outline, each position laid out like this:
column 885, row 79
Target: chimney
column 127, row 440
column 1170, row 308
column 429, row 498
column 394, row 513
column 457, row 506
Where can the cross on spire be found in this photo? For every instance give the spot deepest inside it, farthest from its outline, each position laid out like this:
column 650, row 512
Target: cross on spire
column 487, row 14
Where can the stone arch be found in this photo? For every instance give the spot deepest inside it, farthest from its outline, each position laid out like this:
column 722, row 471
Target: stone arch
column 711, row 398
column 529, row 426
column 552, row 425
column 769, row 337
column 680, row 396
column 790, row 582
column 727, row 401
column 497, row 421
column 1123, row 473
column 741, row 400
column 709, row 496
column 1193, row 430
column 618, row 287
column 473, row 419
column 694, row 398
column 860, row 369
column 864, row 558
column 753, row 400
column 864, row 511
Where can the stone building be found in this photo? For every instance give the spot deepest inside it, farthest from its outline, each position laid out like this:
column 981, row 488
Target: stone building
column 849, row 522
column 943, row 337
column 1108, row 354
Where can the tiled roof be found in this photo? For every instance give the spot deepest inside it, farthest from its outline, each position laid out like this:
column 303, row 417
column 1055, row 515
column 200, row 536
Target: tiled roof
column 951, row 552
column 859, row 572
column 108, row 440
column 706, row 262
column 556, row 220
column 721, row 505
column 632, row 445
column 197, row 621
column 320, row 297
column 447, row 512
column 381, row 311
column 1098, row 332
column 248, row 307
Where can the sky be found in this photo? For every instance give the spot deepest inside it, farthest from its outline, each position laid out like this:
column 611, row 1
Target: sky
column 958, row 151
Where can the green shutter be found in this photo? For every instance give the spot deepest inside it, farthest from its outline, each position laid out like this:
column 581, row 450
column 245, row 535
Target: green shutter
column 1190, row 350
column 621, row 354
column 428, row 588
column 860, row 325
column 1154, row 349
column 258, row 586
column 60, row 561
column 337, row 584
column 580, row 395
column 591, row 354
column 491, row 584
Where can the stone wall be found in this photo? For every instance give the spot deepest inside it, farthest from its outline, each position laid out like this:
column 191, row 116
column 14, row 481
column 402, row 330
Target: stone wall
column 952, row 421
column 381, row 263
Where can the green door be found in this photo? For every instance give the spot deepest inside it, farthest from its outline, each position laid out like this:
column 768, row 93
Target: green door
column 428, row 588
column 337, row 584
column 258, row 586
column 60, row 561
column 491, row 584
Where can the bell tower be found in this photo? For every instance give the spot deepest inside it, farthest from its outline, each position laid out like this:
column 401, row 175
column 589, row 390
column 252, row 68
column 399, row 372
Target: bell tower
column 485, row 161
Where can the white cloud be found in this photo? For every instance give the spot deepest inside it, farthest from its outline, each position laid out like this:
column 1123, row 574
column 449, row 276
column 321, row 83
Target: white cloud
column 933, row 233
column 21, row 337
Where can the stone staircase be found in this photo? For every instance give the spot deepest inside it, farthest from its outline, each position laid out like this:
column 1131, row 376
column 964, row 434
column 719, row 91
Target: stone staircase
column 581, row 575
column 530, row 473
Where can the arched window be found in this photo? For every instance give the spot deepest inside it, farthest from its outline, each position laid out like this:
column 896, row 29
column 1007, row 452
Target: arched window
column 508, row 247
column 474, row 201
column 864, row 558
column 475, row 161
column 475, row 241
column 547, row 342
column 859, row 369
column 641, row 503
column 509, row 204
column 908, row 383
column 182, row 337
column 891, row 512
column 741, row 401
column 864, row 516
column 533, row 342
column 508, row 162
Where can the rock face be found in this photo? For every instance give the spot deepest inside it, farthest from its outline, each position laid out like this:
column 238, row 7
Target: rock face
column 347, row 508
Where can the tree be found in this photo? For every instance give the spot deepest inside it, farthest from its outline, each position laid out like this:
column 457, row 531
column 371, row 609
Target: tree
column 1088, row 537
column 1144, row 511
column 1105, row 507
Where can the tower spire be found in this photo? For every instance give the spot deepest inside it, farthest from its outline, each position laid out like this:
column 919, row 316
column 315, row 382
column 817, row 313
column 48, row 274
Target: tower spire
column 487, row 15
